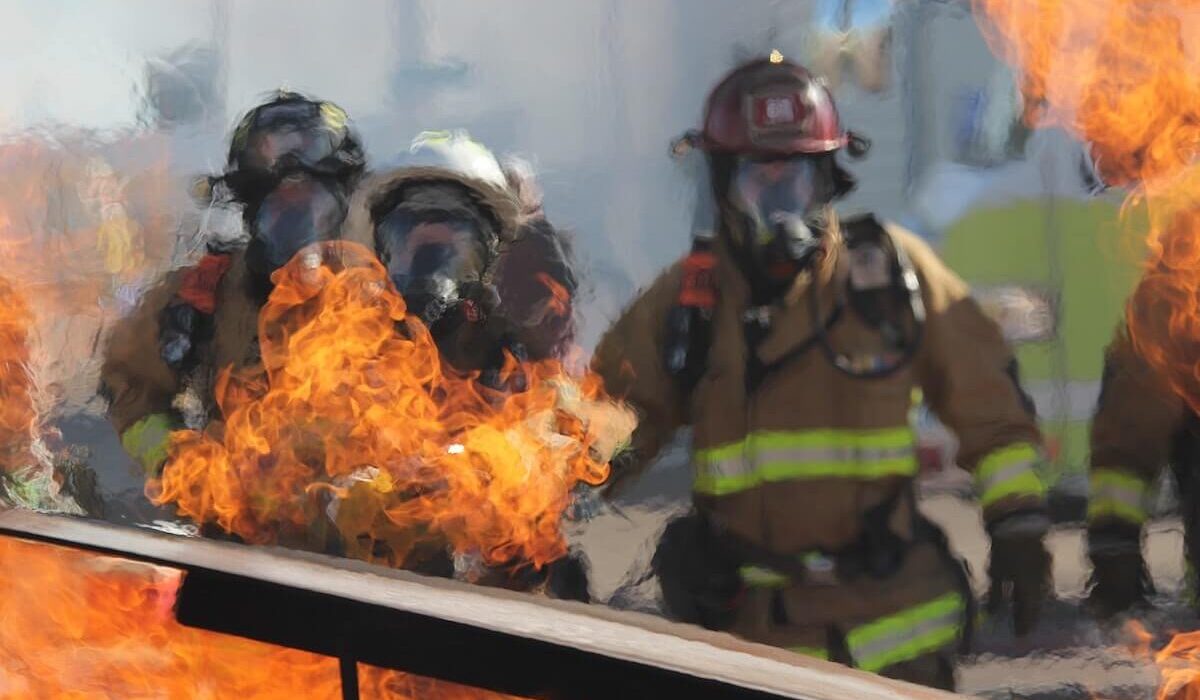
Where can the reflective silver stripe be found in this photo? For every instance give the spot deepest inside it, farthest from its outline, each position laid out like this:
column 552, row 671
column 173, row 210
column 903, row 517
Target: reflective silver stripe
column 846, row 453
column 883, row 645
column 822, row 453
column 1115, row 492
column 732, row 467
column 908, row 634
column 1012, row 471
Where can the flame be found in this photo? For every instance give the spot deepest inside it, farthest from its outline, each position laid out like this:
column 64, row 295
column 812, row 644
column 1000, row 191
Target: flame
column 1179, row 664
column 1124, row 76
column 17, row 411
column 559, row 302
column 353, row 420
column 77, row 625
column 1178, row 661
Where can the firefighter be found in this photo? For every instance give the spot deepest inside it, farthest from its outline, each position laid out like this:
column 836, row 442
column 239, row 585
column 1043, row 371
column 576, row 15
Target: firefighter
column 1140, row 425
column 445, row 218
column 792, row 342
column 293, row 162
column 536, row 274
column 454, row 229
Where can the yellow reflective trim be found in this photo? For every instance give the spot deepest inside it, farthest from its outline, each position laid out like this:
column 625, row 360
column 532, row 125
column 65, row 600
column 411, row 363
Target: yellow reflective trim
column 740, row 465
column 879, row 438
column 759, row 577
column 1111, row 477
column 1027, row 484
column 717, row 454
column 998, row 460
column 718, row 485
column 821, row 437
column 711, row 485
column 1116, row 494
column 1009, row 471
column 907, row 634
column 815, row 652
column 1099, row 509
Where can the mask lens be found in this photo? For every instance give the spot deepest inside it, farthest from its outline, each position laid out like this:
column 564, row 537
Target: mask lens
column 423, row 249
column 300, row 211
column 769, row 190
column 428, row 261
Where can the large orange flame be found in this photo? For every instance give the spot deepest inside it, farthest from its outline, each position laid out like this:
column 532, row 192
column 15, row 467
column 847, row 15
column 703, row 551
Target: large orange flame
column 17, row 411
column 75, row 625
column 353, row 407
column 1178, row 662
column 1124, row 76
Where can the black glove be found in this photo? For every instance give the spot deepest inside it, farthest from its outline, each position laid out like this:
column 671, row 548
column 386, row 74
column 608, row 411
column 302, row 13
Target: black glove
column 1019, row 568
column 699, row 579
column 567, row 578
column 1120, row 580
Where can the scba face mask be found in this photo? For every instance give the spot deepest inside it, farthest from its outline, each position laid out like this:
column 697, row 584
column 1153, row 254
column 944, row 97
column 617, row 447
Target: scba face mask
column 783, row 201
column 300, row 211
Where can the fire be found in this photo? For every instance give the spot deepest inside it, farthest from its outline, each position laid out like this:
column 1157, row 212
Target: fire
column 81, row 625
column 17, row 411
column 1179, row 664
column 28, row 474
column 559, row 303
column 353, row 420
column 1124, row 76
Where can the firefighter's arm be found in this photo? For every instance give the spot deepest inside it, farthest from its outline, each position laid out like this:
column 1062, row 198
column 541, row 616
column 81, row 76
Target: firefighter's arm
column 969, row 376
column 1136, row 419
column 629, row 358
column 138, row 383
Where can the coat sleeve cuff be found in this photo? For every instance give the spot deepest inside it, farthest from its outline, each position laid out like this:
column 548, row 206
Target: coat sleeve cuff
column 1009, row 474
column 1116, row 494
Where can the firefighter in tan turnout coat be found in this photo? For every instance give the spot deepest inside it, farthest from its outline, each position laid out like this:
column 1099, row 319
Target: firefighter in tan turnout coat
column 792, row 344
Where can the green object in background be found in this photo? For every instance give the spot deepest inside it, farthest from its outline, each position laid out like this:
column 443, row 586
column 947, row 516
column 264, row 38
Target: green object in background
column 1082, row 254
column 147, row 441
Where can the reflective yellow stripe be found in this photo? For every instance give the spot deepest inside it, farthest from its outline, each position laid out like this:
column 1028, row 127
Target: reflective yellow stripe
column 815, row 652
column 1008, row 471
column 907, row 634
column 805, row 454
column 758, row 577
column 1116, row 494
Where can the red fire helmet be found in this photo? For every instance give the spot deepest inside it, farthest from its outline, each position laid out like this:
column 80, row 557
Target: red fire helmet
column 770, row 108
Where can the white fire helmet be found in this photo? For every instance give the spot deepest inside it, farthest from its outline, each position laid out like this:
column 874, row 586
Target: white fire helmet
column 454, row 151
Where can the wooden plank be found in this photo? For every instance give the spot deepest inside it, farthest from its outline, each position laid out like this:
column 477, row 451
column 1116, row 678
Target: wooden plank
column 626, row 636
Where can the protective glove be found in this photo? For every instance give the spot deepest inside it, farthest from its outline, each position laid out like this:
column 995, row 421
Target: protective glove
column 147, row 441
column 1120, row 580
column 1019, row 568
column 700, row 581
